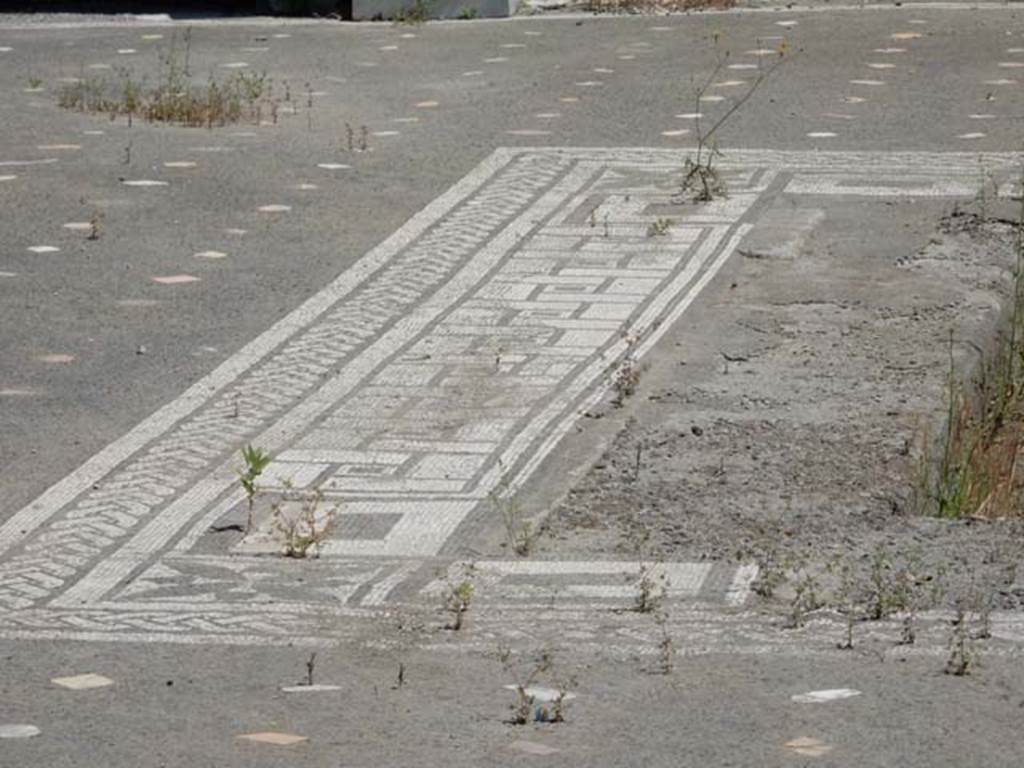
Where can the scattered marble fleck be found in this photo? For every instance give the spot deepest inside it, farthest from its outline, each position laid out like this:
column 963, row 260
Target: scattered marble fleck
column 890, row 50
column 728, row 83
column 548, row 115
column 180, row 164
column 1001, row 81
column 8, row 274
column 808, row 747
column 867, row 82
column 473, row 73
column 1015, row 50
column 15, row 392
column 78, row 226
column 761, row 52
column 975, row 135
column 273, row 737
column 854, row 99
column 8, row 177
column 676, row 132
column 235, row 231
column 407, row 36
column 137, row 302
column 366, row 64
column 274, row 208
column 235, row 65
column 82, row 682
column 426, row 104
column 5, row 49
column 531, row 748
column 787, row 23
column 905, row 35
column 144, row 183
column 43, row 248
column 690, row 115
column 711, row 98
column 821, row 135
column 405, row 120
column 743, row 66
column 528, row 132
column 495, row 60
column 604, row 71
column 1011, row 64
column 981, row 117
column 98, row 66
column 152, row 37
column 589, row 84
column 126, row 51
column 56, row 358
column 39, row 89
column 513, row 45
column 305, row 187
column 281, row 36
column 660, row 29
column 174, row 279
column 830, row 694
column 627, row 57
column 332, row 166
column 58, row 147
column 388, row 48
column 385, row 134
column 881, row 65
column 838, row 116
column 73, row 80
column 315, row 688
column 17, row 730
column 533, row 33
column 211, row 255
column 94, row 133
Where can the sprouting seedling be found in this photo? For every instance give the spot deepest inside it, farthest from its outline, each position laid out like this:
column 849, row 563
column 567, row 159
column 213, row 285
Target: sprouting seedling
column 256, row 461
column 95, row 222
column 459, row 596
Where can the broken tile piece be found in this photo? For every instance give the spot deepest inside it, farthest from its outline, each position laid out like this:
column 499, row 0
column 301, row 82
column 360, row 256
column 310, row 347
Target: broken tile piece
column 273, row 737
column 82, row 682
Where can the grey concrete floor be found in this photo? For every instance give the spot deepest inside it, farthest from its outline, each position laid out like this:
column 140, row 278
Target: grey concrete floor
column 90, row 346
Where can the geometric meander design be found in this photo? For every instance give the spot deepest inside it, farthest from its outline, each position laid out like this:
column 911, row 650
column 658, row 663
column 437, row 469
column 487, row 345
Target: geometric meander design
column 457, row 352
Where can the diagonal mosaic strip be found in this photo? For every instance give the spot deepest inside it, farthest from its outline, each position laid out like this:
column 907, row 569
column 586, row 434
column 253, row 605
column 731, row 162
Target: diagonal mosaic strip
column 456, row 353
